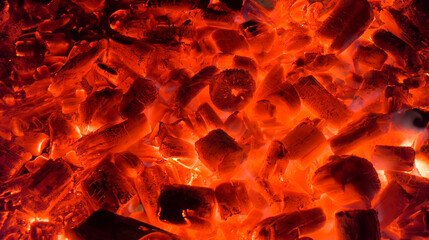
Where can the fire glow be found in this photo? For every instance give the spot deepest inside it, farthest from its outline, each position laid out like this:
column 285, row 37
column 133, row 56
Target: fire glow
column 199, row 119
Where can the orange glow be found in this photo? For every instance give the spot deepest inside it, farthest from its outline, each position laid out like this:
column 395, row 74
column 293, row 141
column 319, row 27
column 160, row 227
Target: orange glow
column 214, row 119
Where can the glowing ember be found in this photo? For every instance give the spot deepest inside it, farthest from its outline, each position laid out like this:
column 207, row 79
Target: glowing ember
column 199, row 119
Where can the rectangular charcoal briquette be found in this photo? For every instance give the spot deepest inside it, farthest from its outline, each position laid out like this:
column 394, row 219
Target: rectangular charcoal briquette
column 393, row 158
column 303, row 141
column 186, row 205
column 321, row 102
column 289, row 225
column 346, row 23
column 359, row 132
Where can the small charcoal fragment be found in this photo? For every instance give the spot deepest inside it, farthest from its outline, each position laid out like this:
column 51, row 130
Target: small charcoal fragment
column 357, row 225
column 393, row 158
column 347, row 179
column 323, row 63
column 220, row 153
column 259, row 35
column 263, row 110
column 232, row 89
column 63, row 133
column 70, row 211
column 289, row 225
column 105, row 225
column 232, row 199
column 186, row 205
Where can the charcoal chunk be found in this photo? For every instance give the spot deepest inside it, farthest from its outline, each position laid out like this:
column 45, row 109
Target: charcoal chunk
column 149, row 184
column 189, row 89
column 101, row 106
column 141, row 94
column 128, row 164
column 210, row 117
column 276, row 152
column 12, row 158
column 357, row 225
column 71, row 211
column 346, row 23
column 347, row 179
column 304, row 141
column 391, row 203
column 105, row 187
column 46, row 186
column 372, row 88
column 393, row 158
column 359, row 132
column 232, row 89
column 232, row 198
column 404, row 54
column 105, row 225
column 220, row 153
column 186, row 205
column 289, row 226
column 321, row 102
column 229, row 41
column 286, row 97
column 415, row 185
column 369, row 55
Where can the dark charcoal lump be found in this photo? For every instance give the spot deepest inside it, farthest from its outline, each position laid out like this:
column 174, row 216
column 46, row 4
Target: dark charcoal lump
column 178, row 202
column 233, row 4
column 358, row 225
column 105, row 225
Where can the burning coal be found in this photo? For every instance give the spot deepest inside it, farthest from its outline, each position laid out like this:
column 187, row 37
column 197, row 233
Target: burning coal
column 199, row 119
